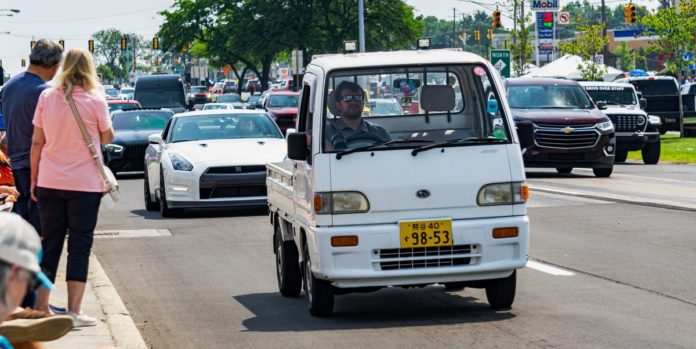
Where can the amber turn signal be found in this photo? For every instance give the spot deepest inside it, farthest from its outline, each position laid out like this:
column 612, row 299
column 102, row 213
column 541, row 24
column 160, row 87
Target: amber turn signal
column 525, row 192
column 502, row 233
column 344, row 241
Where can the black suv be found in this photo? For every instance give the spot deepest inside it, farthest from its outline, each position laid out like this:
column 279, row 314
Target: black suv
column 569, row 129
column 664, row 99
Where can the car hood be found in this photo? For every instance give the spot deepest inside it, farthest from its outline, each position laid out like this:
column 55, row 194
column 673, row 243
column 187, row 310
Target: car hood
column 559, row 116
column 282, row 110
column 132, row 137
column 232, row 151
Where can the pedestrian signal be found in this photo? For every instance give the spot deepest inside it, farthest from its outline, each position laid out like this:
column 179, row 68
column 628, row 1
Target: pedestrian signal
column 90, row 45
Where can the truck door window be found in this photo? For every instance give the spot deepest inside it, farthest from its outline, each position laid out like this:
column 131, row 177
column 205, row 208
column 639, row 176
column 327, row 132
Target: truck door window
column 412, row 105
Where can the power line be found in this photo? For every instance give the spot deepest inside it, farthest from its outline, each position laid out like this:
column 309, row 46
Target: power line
column 84, row 18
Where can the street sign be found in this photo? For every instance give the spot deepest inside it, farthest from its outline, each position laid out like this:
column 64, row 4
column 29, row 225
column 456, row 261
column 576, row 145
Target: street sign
column 545, row 25
column 501, row 61
column 563, row 18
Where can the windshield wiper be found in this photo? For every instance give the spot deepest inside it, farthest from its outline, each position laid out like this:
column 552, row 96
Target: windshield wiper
column 339, row 155
column 471, row 140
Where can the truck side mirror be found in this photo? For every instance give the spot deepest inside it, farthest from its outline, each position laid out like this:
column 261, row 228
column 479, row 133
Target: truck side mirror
column 525, row 132
column 643, row 103
column 601, row 105
column 297, row 146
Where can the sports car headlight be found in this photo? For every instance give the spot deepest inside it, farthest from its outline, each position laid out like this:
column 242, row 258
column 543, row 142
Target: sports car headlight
column 605, row 126
column 503, row 194
column 340, row 202
column 179, row 163
column 114, row 148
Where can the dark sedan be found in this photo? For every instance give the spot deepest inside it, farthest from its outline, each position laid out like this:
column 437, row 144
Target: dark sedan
column 132, row 127
column 569, row 129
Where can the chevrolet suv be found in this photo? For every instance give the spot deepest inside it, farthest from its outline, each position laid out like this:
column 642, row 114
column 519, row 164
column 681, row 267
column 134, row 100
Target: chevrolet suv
column 569, row 129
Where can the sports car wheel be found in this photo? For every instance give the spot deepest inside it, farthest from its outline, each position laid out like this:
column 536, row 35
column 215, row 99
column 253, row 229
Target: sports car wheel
column 164, row 209
column 150, row 205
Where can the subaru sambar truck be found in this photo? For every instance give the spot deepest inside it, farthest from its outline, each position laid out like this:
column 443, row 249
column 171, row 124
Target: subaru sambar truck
column 406, row 199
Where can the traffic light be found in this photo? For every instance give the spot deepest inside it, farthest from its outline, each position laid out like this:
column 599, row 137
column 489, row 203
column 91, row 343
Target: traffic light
column 124, row 43
column 2, row 75
column 477, row 35
column 24, row 62
column 630, row 13
column 32, row 43
column 496, row 18
column 90, row 46
column 463, row 36
column 62, row 43
column 155, row 43
column 489, row 34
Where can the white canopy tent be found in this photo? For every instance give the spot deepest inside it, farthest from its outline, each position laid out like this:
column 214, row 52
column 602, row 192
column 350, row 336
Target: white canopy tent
column 567, row 67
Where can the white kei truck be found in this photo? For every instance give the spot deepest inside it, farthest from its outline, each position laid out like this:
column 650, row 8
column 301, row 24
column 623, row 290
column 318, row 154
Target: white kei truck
column 441, row 200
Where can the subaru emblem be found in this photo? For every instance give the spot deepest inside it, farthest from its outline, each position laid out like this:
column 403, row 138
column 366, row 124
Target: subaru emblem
column 423, row 193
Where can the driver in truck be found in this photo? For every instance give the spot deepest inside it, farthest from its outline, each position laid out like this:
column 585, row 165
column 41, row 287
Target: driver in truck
column 350, row 99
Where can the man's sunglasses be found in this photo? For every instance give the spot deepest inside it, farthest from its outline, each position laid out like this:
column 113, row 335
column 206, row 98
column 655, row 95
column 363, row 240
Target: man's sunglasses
column 350, row 98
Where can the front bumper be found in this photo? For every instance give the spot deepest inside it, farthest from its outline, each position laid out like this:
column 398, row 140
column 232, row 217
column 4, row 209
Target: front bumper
column 372, row 262
column 198, row 189
column 635, row 141
column 601, row 155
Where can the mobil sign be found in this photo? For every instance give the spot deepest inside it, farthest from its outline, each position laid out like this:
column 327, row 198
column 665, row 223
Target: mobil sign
column 541, row 5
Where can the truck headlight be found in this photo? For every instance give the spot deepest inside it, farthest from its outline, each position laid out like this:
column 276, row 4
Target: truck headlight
column 179, row 163
column 340, row 202
column 503, row 194
column 640, row 120
column 654, row 120
column 114, row 148
column 605, row 126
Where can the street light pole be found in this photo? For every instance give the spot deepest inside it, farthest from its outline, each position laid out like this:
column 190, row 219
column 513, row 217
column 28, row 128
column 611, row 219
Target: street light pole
column 361, row 24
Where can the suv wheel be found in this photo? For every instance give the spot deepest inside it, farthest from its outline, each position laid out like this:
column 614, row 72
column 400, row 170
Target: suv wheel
column 603, row 172
column 620, row 156
column 651, row 153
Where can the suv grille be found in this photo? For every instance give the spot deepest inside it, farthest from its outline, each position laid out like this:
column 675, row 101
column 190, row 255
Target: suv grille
column 553, row 136
column 627, row 123
column 427, row 257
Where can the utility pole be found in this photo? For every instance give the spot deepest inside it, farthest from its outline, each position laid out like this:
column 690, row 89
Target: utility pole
column 361, row 24
column 514, row 20
column 454, row 27
column 605, row 49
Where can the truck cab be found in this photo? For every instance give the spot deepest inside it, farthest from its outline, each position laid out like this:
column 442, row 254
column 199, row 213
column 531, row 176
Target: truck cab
column 635, row 129
column 407, row 200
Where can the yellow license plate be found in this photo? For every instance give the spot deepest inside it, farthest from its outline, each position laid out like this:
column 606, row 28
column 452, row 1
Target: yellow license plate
column 426, row 233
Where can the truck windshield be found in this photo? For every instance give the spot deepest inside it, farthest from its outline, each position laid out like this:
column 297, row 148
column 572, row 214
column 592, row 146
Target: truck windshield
column 659, row 87
column 612, row 94
column 407, row 107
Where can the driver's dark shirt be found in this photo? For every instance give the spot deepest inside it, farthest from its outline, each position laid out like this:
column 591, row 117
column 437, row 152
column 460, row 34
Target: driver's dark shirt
column 337, row 131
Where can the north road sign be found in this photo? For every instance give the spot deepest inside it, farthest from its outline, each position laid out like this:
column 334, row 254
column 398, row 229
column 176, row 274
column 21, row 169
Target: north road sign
column 501, row 61
column 545, row 5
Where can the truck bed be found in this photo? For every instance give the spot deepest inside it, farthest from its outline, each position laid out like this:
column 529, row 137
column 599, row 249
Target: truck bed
column 279, row 184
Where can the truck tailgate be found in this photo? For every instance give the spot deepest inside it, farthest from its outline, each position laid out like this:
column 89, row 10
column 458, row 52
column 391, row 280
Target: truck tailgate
column 279, row 186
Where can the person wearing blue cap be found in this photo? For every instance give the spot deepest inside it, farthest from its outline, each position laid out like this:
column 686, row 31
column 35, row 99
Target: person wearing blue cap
column 20, row 254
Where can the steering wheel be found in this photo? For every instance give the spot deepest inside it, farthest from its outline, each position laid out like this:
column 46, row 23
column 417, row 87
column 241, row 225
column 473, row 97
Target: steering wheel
column 363, row 137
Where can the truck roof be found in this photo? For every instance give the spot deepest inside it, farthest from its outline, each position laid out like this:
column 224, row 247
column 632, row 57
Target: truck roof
column 605, row 83
column 394, row 58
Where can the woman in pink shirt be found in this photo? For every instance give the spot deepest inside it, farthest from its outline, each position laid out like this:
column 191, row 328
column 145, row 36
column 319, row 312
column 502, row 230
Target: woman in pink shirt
column 65, row 180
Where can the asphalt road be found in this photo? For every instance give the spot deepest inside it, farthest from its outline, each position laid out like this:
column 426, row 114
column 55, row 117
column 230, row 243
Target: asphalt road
column 212, row 283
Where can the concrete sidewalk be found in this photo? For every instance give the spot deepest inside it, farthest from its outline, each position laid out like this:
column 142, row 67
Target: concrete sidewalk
column 115, row 327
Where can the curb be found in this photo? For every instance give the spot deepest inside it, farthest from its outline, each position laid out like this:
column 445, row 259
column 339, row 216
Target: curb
column 121, row 326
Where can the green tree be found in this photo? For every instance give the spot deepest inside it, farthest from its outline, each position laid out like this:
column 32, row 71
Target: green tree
column 675, row 29
column 106, row 74
column 625, row 55
column 440, row 31
column 107, row 49
column 588, row 43
column 521, row 48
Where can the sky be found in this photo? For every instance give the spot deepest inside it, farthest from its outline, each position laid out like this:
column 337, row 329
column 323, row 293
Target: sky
column 75, row 20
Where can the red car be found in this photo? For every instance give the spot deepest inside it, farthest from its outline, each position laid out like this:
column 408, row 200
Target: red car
column 119, row 104
column 282, row 107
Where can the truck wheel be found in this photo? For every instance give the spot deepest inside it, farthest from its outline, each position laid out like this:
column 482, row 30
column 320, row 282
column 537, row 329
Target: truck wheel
column 564, row 170
column 319, row 293
column 620, row 156
column 287, row 266
column 149, row 204
column 663, row 131
column 651, row 153
column 501, row 292
column 603, row 172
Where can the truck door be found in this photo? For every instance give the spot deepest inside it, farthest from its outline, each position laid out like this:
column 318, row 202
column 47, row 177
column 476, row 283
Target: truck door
column 302, row 170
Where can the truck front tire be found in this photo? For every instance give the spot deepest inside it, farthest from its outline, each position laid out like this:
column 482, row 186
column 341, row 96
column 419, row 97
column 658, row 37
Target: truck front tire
column 287, row 266
column 651, row 153
column 620, row 156
column 319, row 293
column 603, row 172
column 501, row 292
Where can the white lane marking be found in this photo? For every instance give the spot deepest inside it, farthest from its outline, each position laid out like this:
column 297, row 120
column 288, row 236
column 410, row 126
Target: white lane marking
column 548, row 269
column 662, row 179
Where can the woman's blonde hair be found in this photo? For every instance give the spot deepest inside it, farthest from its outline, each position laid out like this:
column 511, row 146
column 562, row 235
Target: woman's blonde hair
column 78, row 70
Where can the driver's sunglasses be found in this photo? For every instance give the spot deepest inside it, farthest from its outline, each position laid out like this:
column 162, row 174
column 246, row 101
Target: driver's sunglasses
column 33, row 283
column 352, row 98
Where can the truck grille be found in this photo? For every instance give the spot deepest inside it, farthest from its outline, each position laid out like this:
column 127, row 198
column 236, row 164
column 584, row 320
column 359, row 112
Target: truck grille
column 426, row 257
column 627, row 123
column 135, row 152
column 553, row 136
